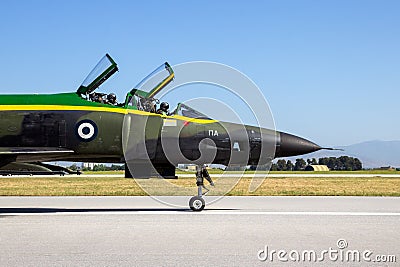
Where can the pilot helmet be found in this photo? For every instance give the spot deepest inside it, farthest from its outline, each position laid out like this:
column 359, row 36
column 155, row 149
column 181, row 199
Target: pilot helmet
column 111, row 97
column 164, row 106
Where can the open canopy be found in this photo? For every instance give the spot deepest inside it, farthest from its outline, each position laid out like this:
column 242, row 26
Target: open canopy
column 141, row 97
column 103, row 70
column 154, row 82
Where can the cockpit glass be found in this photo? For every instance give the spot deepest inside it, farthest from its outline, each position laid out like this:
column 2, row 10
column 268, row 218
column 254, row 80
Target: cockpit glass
column 154, row 78
column 103, row 70
column 101, row 67
column 187, row 111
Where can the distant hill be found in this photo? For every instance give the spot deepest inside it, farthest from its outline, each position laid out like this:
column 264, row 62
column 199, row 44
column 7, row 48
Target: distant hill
column 373, row 154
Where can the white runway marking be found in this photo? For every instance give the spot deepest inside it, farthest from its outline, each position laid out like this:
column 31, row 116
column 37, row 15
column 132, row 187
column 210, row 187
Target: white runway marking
column 187, row 212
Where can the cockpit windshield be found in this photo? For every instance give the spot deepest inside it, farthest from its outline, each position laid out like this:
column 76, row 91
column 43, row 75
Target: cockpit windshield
column 103, row 70
column 184, row 110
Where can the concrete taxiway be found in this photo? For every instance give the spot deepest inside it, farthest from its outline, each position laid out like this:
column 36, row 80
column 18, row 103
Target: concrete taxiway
column 233, row 231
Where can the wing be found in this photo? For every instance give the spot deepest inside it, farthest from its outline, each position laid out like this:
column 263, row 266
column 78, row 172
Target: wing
column 31, row 154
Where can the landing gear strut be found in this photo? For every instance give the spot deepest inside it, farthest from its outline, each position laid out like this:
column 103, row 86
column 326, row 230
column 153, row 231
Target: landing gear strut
column 197, row 203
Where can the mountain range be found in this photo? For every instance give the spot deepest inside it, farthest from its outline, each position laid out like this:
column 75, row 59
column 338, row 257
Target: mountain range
column 373, row 154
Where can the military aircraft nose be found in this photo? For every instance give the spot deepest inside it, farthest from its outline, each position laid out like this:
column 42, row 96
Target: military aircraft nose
column 291, row 145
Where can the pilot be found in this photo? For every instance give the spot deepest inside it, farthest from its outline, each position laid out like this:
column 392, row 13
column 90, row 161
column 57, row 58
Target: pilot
column 163, row 110
column 95, row 97
column 112, row 99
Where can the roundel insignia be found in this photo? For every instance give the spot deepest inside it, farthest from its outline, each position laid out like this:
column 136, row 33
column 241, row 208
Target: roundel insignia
column 86, row 130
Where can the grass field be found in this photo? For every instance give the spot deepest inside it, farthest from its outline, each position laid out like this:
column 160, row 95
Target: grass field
column 285, row 186
column 217, row 171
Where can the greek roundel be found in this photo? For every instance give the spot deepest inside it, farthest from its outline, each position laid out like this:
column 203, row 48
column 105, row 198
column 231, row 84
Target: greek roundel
column 86, row 130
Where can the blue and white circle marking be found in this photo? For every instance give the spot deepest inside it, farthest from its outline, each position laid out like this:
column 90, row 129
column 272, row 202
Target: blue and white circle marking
column 86, row 130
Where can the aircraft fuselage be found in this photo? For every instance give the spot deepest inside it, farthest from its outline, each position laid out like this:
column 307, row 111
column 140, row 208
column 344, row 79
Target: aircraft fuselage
column 101, row 133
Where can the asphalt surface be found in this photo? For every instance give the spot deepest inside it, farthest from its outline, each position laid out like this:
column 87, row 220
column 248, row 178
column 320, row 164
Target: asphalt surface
column 245, row 175
column 234, row 231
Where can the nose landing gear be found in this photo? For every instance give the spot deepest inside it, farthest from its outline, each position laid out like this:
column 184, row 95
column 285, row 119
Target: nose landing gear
column 197, row 203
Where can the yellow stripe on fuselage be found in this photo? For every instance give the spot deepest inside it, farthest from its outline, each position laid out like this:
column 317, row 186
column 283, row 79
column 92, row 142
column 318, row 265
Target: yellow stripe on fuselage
column 61, row 107
column 97, row 109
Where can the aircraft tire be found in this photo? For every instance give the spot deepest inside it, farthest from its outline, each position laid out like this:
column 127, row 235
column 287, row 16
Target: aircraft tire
column 197, row 203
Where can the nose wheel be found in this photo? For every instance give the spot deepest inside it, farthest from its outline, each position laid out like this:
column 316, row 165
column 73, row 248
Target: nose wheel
column 197, row 203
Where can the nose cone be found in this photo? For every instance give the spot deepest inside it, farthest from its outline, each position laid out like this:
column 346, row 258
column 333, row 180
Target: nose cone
column 291, row 145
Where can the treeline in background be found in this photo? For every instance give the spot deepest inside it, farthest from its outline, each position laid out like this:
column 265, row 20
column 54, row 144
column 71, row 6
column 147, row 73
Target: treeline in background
column 99, row 167
column 343, row 163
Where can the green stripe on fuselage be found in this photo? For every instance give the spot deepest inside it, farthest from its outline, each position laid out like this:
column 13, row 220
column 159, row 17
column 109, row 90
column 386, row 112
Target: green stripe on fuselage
column 70, row 99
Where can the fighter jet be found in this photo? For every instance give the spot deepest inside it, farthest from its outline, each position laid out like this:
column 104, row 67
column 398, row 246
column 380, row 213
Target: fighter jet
column 88, row 126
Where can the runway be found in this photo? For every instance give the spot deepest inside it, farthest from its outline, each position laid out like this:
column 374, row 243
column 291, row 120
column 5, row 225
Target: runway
column 226, row 175
column 234, row 231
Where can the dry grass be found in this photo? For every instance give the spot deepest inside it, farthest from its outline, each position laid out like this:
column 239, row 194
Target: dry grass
column 376, row 186
column 75, row 186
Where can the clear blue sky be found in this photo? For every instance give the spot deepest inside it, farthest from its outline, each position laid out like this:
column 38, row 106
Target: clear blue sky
column 329, row 69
